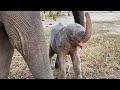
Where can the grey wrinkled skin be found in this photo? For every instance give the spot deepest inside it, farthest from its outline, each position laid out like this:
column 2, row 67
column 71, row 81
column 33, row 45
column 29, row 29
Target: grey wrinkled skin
column 64, row 41
column 23, row 30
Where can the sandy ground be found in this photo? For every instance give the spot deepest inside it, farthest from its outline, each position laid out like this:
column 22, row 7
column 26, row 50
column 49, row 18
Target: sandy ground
column 102, row 21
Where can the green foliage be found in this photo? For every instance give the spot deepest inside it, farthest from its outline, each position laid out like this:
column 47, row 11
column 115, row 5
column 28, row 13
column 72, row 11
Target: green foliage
column 53, row 16
column 50, row 14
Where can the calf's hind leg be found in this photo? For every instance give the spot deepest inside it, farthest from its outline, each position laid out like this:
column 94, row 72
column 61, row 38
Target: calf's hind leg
column 6, row 53
column 57, row 63
column 51, row 52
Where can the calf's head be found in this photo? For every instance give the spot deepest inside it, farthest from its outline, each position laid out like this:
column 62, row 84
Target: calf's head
column 77, row 34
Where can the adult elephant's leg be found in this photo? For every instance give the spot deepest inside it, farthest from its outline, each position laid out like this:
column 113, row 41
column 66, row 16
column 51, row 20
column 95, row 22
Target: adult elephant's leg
column 6, row 52
column 78, row 17
column 26, row 34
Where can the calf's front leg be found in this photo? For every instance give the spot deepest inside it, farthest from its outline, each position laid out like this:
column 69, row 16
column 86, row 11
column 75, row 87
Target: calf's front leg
column 61, row 59
column 76, row 63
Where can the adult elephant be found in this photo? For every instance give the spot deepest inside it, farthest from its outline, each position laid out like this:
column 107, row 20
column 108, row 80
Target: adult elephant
column 79, row 17
column 23, row 30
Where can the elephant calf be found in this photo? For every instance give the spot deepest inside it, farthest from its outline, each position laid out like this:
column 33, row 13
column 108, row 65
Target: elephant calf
column 64, row 40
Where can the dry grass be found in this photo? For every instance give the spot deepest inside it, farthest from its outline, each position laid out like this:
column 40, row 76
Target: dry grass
column 101, row 58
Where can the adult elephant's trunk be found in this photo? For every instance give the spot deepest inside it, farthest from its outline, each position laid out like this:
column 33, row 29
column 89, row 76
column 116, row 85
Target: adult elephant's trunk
column 79, row 17
column 88, row 28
